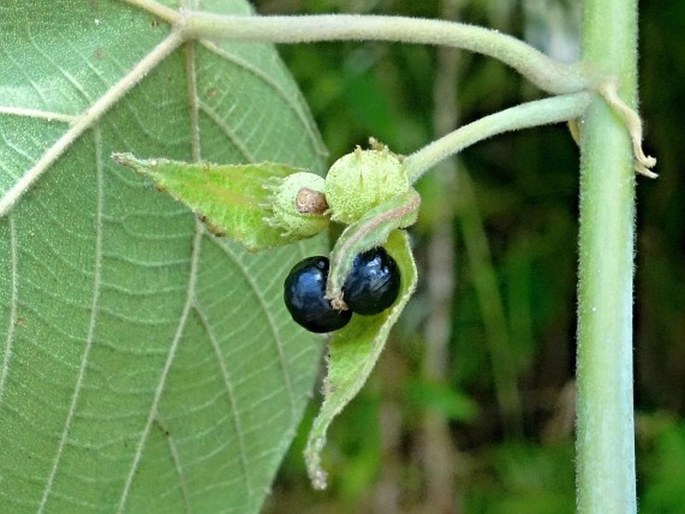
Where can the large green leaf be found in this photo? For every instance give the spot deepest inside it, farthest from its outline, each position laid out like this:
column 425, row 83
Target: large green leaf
column 145, row 366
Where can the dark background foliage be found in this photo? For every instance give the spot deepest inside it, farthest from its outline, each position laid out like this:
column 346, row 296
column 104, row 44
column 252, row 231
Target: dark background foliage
column 471, row 406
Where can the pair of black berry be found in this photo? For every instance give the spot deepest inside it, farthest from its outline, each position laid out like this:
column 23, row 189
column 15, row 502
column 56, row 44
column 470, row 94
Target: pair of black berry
column 371, row 287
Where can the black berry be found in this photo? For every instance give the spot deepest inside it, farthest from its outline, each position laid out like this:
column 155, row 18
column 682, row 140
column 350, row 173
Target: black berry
column 373, row 284
column 303, row 294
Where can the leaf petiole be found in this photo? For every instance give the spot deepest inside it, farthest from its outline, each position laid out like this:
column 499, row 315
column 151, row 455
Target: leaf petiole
column 541, row 70
column 540, row 112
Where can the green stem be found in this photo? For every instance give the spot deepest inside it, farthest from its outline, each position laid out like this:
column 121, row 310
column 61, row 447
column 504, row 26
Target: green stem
column 531, row 114
column 544, row 72
column 605, row 436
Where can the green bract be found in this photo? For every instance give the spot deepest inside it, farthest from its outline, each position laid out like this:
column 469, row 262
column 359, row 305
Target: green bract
column 352, row 354
column 363, row 179
column 260, row 205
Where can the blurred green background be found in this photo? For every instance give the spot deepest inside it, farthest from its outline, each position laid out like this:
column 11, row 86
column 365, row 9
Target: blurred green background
column 471, row 407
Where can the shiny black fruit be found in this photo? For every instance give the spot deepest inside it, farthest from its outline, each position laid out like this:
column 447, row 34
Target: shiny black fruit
column 373, row 284
column 303, row 294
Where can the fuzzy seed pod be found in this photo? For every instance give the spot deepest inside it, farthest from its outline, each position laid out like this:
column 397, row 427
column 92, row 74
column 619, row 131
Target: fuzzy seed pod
column 361, row 180
column 298, row 205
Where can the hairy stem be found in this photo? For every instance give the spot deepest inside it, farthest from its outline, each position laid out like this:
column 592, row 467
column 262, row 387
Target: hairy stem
column 605, row 436
column 531, row 114
column 544, row 72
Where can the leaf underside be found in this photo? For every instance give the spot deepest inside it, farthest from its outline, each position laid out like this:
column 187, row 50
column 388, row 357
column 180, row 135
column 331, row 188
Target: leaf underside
column 145, row 366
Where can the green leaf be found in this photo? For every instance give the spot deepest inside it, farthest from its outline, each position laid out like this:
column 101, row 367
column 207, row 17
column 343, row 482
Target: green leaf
column 231, row 199
column 352, row 355
column 145, row 365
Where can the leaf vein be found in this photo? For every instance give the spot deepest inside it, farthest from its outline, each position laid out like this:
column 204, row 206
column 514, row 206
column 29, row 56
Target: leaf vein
column 291, row 102
column 225, row 128
column 271, row 322
column 176, row 458
column 191, row 75
column 38, row 113
column 166, row 13
column 190, row 299
column 70, row 78
column 7, row 355
column 91, row 116
column 20, row 68
column 237, row 425
column 91, row 323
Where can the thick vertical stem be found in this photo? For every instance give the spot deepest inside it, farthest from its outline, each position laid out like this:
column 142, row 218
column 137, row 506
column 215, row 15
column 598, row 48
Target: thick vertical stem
column 605, row 444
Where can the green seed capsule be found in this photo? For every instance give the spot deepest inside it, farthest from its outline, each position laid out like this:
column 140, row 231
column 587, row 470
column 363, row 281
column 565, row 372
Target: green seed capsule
column 298, row 205
column 363, row 179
